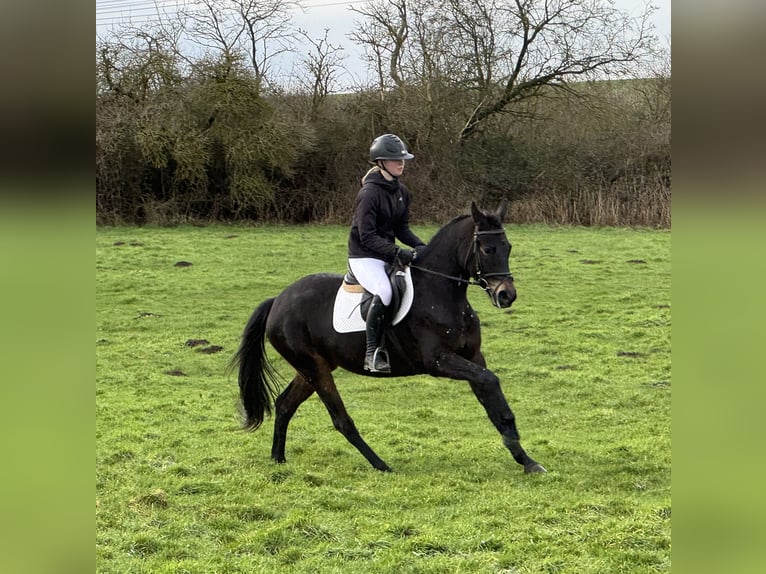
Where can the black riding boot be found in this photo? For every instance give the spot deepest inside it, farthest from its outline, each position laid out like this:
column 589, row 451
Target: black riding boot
column 376, row 357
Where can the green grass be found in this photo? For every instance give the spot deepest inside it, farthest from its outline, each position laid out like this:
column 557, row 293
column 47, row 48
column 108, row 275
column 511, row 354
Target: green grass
column 583, row 356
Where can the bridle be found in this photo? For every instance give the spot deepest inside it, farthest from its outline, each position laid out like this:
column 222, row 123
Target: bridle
column 480, row 275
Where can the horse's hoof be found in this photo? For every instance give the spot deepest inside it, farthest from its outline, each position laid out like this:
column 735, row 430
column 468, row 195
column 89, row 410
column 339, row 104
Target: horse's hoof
column 534, row 468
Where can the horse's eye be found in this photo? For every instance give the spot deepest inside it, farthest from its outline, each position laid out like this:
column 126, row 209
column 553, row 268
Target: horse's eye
column 488, row 250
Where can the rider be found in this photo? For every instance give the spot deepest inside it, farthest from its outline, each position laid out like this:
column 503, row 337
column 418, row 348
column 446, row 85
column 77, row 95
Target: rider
column 381, row 215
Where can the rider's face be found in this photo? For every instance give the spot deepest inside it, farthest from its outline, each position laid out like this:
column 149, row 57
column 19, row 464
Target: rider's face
column 394, row 166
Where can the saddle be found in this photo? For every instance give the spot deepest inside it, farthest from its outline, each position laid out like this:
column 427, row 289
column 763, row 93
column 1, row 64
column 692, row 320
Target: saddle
column 398, row 286
column 347, row 314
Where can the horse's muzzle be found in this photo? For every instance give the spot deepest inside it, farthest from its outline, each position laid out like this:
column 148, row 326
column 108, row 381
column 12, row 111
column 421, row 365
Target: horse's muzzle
column 503, row 293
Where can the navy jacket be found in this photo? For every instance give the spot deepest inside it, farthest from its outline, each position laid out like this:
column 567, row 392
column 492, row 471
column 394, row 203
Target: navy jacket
column 381, row 215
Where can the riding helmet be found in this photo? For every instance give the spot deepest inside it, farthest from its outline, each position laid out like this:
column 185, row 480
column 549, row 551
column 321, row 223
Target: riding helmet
column 388, row 146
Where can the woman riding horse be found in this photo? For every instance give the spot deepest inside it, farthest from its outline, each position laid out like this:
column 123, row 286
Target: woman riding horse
column 439, row 336
column 381, row 216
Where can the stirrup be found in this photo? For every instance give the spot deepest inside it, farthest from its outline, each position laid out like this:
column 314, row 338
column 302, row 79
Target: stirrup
column 378, row 362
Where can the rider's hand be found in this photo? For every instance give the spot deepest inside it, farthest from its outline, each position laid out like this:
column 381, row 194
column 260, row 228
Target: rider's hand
column 405, row 256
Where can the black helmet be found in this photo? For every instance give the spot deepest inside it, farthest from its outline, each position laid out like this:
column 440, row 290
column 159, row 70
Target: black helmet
column 388, row 146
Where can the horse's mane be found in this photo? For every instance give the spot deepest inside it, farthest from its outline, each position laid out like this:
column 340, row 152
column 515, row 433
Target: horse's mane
column 447, row 227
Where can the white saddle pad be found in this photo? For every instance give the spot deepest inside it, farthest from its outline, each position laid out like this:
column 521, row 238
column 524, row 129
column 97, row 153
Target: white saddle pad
column 346, row 316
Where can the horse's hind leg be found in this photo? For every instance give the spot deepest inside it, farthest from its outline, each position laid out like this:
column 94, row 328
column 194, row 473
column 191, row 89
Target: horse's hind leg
column 284, row 409
column 324, row 384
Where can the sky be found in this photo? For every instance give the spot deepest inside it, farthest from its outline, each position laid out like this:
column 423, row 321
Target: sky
column 337, row 17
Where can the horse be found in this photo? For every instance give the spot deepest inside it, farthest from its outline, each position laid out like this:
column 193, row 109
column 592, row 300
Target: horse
column 440, row 336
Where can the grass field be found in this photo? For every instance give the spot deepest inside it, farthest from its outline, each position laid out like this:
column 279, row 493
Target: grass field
column 583, row 356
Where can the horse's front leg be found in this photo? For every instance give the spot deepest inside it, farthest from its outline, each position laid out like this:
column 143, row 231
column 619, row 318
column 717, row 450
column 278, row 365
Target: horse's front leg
column 486, row 387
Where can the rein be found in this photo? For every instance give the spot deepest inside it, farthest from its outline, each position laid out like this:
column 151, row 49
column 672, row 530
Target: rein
column 480, row 275
column 453, row 277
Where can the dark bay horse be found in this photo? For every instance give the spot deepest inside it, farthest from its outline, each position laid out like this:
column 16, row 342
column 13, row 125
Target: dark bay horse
column 440, row 336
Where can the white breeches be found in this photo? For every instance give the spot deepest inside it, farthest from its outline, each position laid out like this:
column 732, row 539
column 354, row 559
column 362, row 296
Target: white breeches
column 371, row 275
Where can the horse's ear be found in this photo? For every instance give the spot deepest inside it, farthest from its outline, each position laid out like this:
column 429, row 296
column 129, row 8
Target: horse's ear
column 502, row 209
column 476, row 213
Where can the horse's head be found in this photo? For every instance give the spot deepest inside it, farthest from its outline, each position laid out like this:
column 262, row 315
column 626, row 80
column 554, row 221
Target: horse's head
column 491, row 250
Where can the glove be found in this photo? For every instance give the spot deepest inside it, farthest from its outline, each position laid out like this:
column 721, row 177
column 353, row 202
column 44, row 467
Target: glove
column 417, row 250
column 405, row 256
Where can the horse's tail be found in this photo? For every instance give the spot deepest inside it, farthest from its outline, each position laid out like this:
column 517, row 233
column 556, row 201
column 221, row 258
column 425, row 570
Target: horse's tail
column 258, row 382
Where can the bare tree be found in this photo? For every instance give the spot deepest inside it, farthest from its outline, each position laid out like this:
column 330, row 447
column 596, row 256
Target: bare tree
column 549, row 42
column 136, row 62
column 258, row 30
column 504, row 52
column 322, row 64
column 383, row 32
